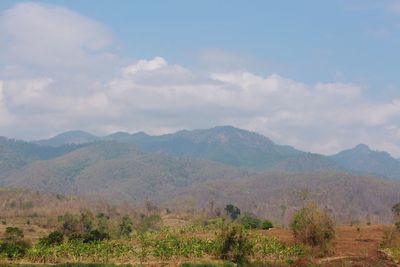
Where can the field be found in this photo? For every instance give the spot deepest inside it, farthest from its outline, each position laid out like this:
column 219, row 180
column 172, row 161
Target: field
column 182, row 243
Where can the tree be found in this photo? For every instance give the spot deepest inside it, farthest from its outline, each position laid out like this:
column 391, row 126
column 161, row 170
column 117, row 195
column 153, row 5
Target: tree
column 396, row 213
column 13, row 233
column 54, row 238
column 232, row 211
column 13, row 245
column 102, row 222
column 313, row 227
column 125, row 227
column 249, row 221
column 86, row 221
column 234, row 245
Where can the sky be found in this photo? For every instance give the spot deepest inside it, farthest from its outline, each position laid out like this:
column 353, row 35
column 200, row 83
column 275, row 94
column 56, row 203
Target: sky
column 318, row 75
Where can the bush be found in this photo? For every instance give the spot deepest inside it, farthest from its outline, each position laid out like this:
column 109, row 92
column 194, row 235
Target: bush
column 94, row 235
column 313, row 227
column 249, row 221
column 14, row 249
column 13, row 245
column 232, row 211
column 234, row 245
column 125, row 227
column 54, row 238
column 13, row 233
column 265, row 225
column 397, row 225
column 152, row 222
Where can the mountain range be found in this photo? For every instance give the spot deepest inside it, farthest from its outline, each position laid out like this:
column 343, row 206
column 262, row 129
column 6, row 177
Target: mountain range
column 188, row 169
column 243, row 149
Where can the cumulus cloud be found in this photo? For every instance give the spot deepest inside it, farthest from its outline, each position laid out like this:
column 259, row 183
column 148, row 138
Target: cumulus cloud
column 51, row 36
column 144, row 65
column 58, row 73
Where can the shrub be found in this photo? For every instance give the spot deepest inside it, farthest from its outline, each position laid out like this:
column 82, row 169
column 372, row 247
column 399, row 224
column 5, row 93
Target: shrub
column 92, row 236
column 312, row 227
column 13, row 245
column 250, row 221
column 54, row 238
column 266, row 224
column 13, row 233
column 125, row 227
column 234, row 245
column 14, row 249
column 232, row 211
column 152, row 222
column 397, row 225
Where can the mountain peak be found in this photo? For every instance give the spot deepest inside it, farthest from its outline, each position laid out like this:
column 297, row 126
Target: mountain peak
column 69, row 137
column 362, row 147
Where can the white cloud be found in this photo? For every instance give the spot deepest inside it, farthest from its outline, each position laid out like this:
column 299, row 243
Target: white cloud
column 59, row 75
column 144, row 65
column 51, row 36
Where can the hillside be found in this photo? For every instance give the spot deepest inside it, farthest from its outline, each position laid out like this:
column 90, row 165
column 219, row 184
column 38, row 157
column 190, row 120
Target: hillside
column 117, row 171
column 277, row 195
column 309, row 162
column 187, row 169
column 365, row 160
column 15, row 154
column 22, row 203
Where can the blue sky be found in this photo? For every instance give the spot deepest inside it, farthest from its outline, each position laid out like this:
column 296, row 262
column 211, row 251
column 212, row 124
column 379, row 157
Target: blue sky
column 311, row 41
column 289, row 54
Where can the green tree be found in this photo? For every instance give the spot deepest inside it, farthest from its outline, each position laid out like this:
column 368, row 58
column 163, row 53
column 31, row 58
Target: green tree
column 13, row 245
column 234, row 245
column 232, row 211
column 102, row 222
column 125, row 227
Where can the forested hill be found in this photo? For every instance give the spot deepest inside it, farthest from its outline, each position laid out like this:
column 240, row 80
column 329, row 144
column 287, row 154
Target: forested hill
column 244, row 149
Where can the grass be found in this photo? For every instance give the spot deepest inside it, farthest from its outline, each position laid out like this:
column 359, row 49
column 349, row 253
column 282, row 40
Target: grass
column 67, row 265
column 166, row 245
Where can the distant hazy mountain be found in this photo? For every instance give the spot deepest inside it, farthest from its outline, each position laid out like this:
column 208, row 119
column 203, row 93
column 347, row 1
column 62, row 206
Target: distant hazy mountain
column 15, row 154
column 246, row 150
column 362, row 159
column 225, row 144
column 117, row 171
column 68, row 138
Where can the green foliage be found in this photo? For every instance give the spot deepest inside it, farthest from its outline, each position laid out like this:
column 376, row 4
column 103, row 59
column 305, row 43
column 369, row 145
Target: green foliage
column 234, row 245
column 149, row 223
column 207, row 264
column 92, row 236
column 232, row 211
column 250, row 221
column 13, row 249
column 102, row 222
column 54, row 238
column 270, row 248
column 313, row 227
column 86, row 221
column 266, row 224
column 13, row 245
column 69, row 224
column 125, row 227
